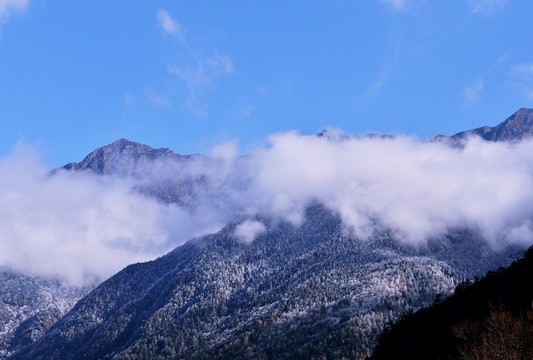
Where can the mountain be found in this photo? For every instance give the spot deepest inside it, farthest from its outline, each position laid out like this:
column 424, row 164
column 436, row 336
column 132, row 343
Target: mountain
column 29, row 305
column 483, row 320
column 169, row 177
column 294, row 292
column 126, row 158
column 516, row 127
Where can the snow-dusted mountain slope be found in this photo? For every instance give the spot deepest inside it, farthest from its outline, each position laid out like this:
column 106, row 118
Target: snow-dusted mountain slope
column 29, row 305
column 159, row 172
column 294, row 292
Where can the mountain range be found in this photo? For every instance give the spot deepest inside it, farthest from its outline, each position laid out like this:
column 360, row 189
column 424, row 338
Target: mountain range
column 311, row 290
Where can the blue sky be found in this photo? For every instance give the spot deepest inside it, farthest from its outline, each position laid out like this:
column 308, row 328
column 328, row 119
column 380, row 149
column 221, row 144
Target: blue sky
column 77, row 75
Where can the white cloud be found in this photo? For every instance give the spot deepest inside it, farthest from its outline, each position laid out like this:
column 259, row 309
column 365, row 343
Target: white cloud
column 415, row 189
column 85, row 227
column 80, row 227
column 170, row 26
column 247, row 231
column 486, row 7
column 472, row 93
column 226, row 152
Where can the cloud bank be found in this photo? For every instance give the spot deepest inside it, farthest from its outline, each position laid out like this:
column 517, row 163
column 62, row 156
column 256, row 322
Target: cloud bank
column 416, row 189
column 85, row 227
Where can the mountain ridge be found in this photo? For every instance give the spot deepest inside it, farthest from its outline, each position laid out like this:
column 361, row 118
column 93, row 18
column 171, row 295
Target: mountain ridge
column 207, row 297
column 450, row 257
column 518, row 126
column 125, row 157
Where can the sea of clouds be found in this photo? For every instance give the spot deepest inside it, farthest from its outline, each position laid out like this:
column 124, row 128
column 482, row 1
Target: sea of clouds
column 83, row 227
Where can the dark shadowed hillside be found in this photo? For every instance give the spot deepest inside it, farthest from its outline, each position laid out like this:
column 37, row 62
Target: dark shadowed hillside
column 486, row 319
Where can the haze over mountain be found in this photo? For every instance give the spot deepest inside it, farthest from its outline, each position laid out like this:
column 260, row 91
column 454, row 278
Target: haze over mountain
column 390, row 221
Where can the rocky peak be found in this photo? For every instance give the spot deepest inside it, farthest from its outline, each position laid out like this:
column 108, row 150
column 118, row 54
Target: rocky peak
column 333, row 135
column 516, row 127
column 122, row 157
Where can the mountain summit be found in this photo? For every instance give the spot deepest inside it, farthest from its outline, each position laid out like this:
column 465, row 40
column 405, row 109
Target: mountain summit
column 123, row 157
column 516, row 127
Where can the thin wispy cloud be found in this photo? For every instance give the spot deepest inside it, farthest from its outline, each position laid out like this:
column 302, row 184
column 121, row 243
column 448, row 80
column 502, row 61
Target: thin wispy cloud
column 381, row 79
column 262, row 90
column 378, row 83
column 522, row 79
column 158, row 100
column 398, row 5
column 202, row 77
column 9, row 7
column 170, row 26
column 245, row 110
column 200, row 69
column 128, row 99
column 472, row 93
column 220, row 63
column 486, row 7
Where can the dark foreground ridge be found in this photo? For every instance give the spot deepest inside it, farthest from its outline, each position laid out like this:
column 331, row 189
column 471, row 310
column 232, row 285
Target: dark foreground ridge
column 484, row 320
